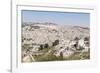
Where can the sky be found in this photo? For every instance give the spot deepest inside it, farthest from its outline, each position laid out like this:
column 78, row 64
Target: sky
column 61, row 18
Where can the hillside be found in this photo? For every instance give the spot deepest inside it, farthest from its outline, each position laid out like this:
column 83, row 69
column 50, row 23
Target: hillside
column 52, row 42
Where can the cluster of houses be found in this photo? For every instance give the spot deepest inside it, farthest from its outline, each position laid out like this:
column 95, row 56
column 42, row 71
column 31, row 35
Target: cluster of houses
column 69, row 47
column 56, row 39
column 63, row 47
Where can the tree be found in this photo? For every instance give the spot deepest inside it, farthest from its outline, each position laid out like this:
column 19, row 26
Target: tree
column 76, row 38
column 41, row 47
column 56, row 42
column 86, row 39
column 61, row 56
column 46, row 45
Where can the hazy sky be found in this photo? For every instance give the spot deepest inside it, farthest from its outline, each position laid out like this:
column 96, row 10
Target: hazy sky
column 62, row 18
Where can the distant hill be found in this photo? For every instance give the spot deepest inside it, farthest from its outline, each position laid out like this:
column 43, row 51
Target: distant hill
column 37, row 23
